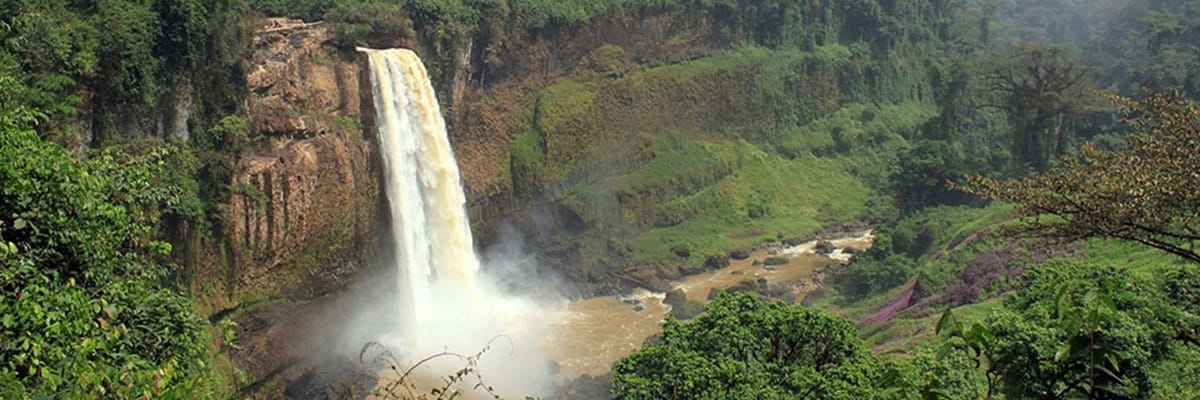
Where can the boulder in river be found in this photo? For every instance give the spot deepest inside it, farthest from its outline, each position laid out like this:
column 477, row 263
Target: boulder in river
column 675, row 298
column 688, row 269
column 740, row 254
column 776, row 261
column 825, row 247
column 746, row 285
column 657, row 284
column 688, row 310
column 716, row 262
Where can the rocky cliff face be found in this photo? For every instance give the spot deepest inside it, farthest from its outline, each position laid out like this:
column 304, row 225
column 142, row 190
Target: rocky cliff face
column 306, row 200
column 305, row 211
column 495, row 102
column 310, row 195
column 299, row 85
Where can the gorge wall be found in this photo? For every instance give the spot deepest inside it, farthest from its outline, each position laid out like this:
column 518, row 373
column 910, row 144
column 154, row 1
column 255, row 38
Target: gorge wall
column 625, row 149
column 631, row 147
column 306, row 212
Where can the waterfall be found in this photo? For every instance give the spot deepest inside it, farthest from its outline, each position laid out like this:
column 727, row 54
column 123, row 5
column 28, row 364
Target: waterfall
column 435, row 255
column 444, row 301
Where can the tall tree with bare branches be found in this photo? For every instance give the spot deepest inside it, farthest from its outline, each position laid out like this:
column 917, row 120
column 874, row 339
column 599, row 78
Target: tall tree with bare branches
column 1041, row 91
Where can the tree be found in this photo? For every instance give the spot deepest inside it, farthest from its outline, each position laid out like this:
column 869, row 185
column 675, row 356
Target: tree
column 1078, row 329
column 867, row 275
column 1041, row 93
column 922, row 173
column 743, row 347
column 45, row 49
column 83, row 311
column 932, row 375
column 125, row 55
column 1146, row 195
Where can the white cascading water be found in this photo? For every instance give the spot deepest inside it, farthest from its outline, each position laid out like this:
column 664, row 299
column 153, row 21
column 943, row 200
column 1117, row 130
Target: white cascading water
column 446, row 303
column 430, row 231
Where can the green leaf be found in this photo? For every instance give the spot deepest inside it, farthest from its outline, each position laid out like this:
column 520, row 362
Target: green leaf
column 1109, row 372
column 1072, row 325
column 946, row 322
column 1109, row 304
column 1062, row 299
column 1064, row 351
column 1091, row 296
column 1113, row 360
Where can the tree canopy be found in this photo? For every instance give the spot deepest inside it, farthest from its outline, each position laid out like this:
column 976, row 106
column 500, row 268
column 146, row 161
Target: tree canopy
column 1146, row 194
column 1041, row 92
column 1079, row 329
column 744, row 347
column 85, row 310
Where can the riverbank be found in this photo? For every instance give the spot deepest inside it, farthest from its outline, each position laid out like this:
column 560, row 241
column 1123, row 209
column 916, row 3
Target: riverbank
column 591, row 334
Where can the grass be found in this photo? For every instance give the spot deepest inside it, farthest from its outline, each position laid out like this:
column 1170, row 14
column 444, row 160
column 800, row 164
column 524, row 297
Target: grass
column 764, row 194
column 713, row 196
column 751, row 93
column 1145, row 261
column 856, row 125
column 713, row 154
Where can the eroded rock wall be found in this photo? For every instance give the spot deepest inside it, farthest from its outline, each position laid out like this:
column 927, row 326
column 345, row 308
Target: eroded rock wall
column 299, row 83
column 306, row 199
column 300, row 205
column 306, row 207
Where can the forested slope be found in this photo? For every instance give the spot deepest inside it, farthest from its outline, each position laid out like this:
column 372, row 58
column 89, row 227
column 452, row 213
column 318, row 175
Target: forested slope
column 628, row 139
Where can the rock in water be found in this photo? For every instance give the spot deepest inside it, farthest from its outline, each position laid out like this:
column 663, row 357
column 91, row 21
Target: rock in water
column 740, row 254
column 825, row 247
column 716, row 262
column 776, row 261
column 675, row 298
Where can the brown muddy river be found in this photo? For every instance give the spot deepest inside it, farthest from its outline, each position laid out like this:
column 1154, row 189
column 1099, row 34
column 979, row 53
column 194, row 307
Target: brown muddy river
column 592, row 334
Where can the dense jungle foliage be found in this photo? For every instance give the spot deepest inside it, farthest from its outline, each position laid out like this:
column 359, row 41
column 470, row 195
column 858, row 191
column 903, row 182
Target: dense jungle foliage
column 95, row 300
column 811, row 114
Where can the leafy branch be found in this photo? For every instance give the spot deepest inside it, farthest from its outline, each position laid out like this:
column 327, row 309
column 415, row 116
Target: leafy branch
column 404, row 388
